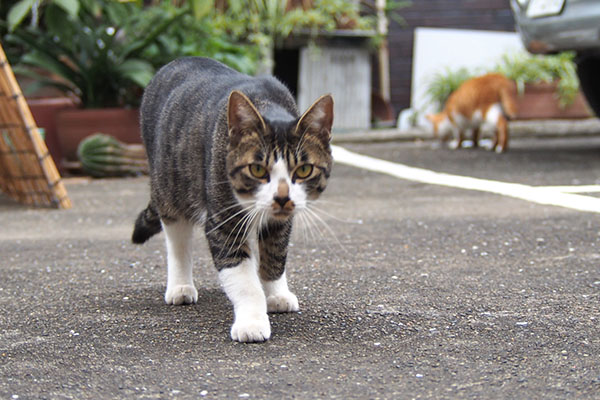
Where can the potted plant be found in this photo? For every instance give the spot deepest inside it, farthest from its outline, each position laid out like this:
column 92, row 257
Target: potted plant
column 105, row 55
column 94, row 57
column 266, row 23
column 548, row 86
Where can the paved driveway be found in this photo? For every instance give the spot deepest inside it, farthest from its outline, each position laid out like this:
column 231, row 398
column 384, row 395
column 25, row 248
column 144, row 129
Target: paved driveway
column 426, row 291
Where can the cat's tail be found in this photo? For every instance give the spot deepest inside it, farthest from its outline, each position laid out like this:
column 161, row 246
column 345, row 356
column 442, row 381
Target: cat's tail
column 508, row 100
column 147, row 225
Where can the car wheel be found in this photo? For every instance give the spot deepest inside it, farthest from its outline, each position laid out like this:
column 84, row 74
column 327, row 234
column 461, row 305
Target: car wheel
column 587, row 70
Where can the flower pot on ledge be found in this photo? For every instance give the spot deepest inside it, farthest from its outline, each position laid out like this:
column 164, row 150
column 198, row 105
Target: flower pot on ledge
column 75, row 125
column 540, row 101
column 44, row 111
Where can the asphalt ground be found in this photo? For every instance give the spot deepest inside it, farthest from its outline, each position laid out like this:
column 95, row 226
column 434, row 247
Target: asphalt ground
column 418, row 291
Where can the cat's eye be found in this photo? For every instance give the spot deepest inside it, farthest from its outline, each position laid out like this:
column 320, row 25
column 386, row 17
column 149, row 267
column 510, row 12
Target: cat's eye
column 258, row 171
column 304, row 171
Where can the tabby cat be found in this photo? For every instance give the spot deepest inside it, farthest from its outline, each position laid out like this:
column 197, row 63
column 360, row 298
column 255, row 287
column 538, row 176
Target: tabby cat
column 231, row 152
column 483, row 102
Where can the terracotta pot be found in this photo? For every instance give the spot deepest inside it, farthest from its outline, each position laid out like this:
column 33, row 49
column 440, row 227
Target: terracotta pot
column 75, row 125
column 44, row 111
column 539, row 101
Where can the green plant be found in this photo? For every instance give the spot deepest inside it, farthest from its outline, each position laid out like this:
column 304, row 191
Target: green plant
column 107, row 53
column 520, row 67
column 97, row 55
column 524, row 68
column 194, row 34
column 102, row 155
column 266, row 23
column 19, row 11
column 442, row 84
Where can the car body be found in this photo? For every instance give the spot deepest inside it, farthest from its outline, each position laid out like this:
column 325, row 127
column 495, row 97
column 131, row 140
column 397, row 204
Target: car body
column 551, row 26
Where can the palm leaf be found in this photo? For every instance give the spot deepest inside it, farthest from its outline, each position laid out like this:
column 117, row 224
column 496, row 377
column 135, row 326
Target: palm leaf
column 138, row 71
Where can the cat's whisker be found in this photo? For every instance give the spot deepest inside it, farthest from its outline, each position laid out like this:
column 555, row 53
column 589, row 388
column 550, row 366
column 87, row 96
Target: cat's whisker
column 322, row 201
column 241, row 224
column 326, row 226
column 314, row 227
column 310, row 225
column 228, row 219
column 261, row 224
column 249, row 226
column 327, row 214
column 303, row 227
column 248, row 204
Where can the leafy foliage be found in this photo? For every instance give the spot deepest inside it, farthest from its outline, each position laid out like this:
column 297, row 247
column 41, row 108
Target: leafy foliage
column 525, row 68
column 97, row 55
column 260, row 20
column 106, row 51
column 444, row 83
column 109, row 51
column 266, row 23
column 23, row 8
column 195, row 34
column 522, row 68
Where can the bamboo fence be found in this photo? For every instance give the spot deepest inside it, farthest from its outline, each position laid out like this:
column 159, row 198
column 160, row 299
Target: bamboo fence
column 27, row 171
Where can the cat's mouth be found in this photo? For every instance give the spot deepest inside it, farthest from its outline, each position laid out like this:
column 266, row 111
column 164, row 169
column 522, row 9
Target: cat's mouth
column 281, row 215
column 282, row 208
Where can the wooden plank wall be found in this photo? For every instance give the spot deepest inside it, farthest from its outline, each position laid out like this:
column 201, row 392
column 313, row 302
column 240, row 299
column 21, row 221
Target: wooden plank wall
column 494, row 15
column 345, row 73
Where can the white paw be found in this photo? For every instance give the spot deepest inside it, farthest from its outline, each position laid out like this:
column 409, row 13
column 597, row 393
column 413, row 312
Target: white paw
column 181, row 294
column 282, row 302
column 487, row 144
column 453, row 145
column 248, row 329
column 499, row 149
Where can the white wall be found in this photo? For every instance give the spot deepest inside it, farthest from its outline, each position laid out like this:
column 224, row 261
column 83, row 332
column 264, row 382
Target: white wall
column 436, row 49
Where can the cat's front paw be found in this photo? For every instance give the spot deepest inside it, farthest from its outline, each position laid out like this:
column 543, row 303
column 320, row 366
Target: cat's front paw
column 282, row 302
column 251, row 329
column 181, row 294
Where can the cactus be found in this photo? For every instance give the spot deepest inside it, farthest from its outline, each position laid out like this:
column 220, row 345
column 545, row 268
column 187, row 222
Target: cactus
column 104, row 156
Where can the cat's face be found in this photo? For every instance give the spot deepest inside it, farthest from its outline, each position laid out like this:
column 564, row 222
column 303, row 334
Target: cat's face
column 276, row 167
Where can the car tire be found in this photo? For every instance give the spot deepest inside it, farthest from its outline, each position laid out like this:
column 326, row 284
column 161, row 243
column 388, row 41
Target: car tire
column 587, row 70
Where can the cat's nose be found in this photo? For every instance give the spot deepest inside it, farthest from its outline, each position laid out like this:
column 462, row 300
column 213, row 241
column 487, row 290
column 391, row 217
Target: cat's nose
column 282, row 201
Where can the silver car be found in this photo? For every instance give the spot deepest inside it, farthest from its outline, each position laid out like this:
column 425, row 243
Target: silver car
column 551, row 26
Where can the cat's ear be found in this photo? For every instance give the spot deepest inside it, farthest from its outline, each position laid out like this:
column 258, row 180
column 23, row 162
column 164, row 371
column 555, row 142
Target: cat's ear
column 242, row 116
column 318, row 119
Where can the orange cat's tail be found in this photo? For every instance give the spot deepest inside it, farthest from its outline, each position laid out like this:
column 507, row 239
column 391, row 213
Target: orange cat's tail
column 509, row 102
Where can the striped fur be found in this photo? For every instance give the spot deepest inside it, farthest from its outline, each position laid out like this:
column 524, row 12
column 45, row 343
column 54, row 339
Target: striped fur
column 204, row 127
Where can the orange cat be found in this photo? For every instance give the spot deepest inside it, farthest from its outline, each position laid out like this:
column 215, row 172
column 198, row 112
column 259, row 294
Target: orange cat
column 482, row 102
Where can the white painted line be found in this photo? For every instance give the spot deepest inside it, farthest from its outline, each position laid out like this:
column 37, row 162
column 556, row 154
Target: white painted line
column 539, row 195
column 574, row 189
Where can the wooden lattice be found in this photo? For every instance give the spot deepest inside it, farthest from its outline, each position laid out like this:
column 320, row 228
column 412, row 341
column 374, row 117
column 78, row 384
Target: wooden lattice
column 27, row 172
